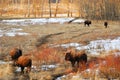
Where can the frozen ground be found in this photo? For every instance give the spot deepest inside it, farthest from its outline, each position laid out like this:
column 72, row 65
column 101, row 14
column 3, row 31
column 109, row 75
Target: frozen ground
column 26, row 22
column 12, row 32
column 95, row 47
column 40, row 21
column 43, row 67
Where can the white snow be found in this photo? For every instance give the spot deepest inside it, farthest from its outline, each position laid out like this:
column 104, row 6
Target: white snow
column 95, row 47
column 68, row 45
column 12, row 32
column 4, row 62
column 47, row 67
column 40, row 21
column 60, row 78
column 18, row 69
column 78, row 21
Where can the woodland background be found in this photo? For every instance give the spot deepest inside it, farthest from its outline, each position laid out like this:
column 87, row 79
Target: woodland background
column 91, row 9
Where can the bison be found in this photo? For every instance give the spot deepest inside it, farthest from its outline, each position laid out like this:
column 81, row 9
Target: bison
column 87, row 22
column 81, row 57
column 15, row 53
column 24, row 61
column 105, row 24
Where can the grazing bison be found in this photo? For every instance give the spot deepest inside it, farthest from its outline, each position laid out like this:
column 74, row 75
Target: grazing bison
column 105, row 24
column 24, row 61
column 15, row 53
column 87, row 22
column 81, row 57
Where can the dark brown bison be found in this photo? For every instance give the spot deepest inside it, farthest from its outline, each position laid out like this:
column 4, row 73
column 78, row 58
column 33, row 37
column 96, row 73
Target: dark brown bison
column 106, row 24
column 81, row 57
column 24, row 61
column 15, row 53
column 87, row 22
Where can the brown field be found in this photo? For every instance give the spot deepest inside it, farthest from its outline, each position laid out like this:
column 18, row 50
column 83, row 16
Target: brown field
column 36, row 45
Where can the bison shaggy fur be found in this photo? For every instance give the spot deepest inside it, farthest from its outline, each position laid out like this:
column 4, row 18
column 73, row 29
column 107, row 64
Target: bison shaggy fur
column 78, row 58
column 15, row 53
column 87, row 22
column 24, row 61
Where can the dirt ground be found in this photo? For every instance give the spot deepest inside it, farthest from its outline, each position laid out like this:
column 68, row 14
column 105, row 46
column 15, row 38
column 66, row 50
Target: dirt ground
column 40, row 35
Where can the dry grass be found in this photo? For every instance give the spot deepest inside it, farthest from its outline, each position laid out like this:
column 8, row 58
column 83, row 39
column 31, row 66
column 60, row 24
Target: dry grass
column 58, row 33
column 111, row 67
column 6, row 72
column 105, row 68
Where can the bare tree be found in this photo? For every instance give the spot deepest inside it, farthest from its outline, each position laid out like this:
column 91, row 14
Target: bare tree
column 28, row 8
column 42, row 7
column 57, row 1
column 71, row 2
column 50, row 8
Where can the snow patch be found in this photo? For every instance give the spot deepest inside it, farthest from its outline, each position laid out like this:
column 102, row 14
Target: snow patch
column 40, row 21
column 47, row 67
column 4, row 62
column 12, row 32
column 95, row 47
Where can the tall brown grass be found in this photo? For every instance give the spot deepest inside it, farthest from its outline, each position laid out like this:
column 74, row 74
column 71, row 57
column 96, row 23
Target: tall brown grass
column 111, row 67
column 48, row 55
column 6, row 72
column 104, row 68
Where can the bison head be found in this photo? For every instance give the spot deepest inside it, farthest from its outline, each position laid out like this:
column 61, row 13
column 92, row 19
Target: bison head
column 15, row 53
column 68, row 56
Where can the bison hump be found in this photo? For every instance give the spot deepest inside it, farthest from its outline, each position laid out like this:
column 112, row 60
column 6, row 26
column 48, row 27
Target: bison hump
column 24, row 60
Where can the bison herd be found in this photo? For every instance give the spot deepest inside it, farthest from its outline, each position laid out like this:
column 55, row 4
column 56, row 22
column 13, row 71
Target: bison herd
column 24, row 61
column 20, row 60
column 88, row 23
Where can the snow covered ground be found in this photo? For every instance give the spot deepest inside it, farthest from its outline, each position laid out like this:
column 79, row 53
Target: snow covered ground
column 40, row 21
column 95, row 47
column 12, row 32
column 4, row 62
column 47, row 67
column 26, row 22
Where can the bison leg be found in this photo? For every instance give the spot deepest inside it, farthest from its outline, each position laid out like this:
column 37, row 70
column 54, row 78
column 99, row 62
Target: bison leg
column 88, row 25
column 83, row 65
column 28, row 69
column 22, row 69
column 14, row 63
column 78, row 64
column 106, row 26
column 73, row 63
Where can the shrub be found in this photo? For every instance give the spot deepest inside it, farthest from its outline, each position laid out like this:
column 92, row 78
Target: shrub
column 110, row 68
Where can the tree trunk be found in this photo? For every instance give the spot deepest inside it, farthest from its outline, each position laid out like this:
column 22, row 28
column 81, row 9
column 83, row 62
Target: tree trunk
column 28, row 8
column 56, row 8
column 42, row 8
column 71, row 7
column 68, row 14
column 50, row 8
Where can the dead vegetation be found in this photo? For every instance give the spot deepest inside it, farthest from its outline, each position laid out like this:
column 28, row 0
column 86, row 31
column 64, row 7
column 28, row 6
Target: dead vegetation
column 59, row 8
column 53, row 34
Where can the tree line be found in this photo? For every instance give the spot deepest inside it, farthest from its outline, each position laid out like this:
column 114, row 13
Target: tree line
column 93, row 9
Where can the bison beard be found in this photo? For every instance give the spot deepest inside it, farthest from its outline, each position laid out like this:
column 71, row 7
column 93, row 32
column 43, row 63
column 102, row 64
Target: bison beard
column 15, row 53
column 24, row 61
column 79, row 58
